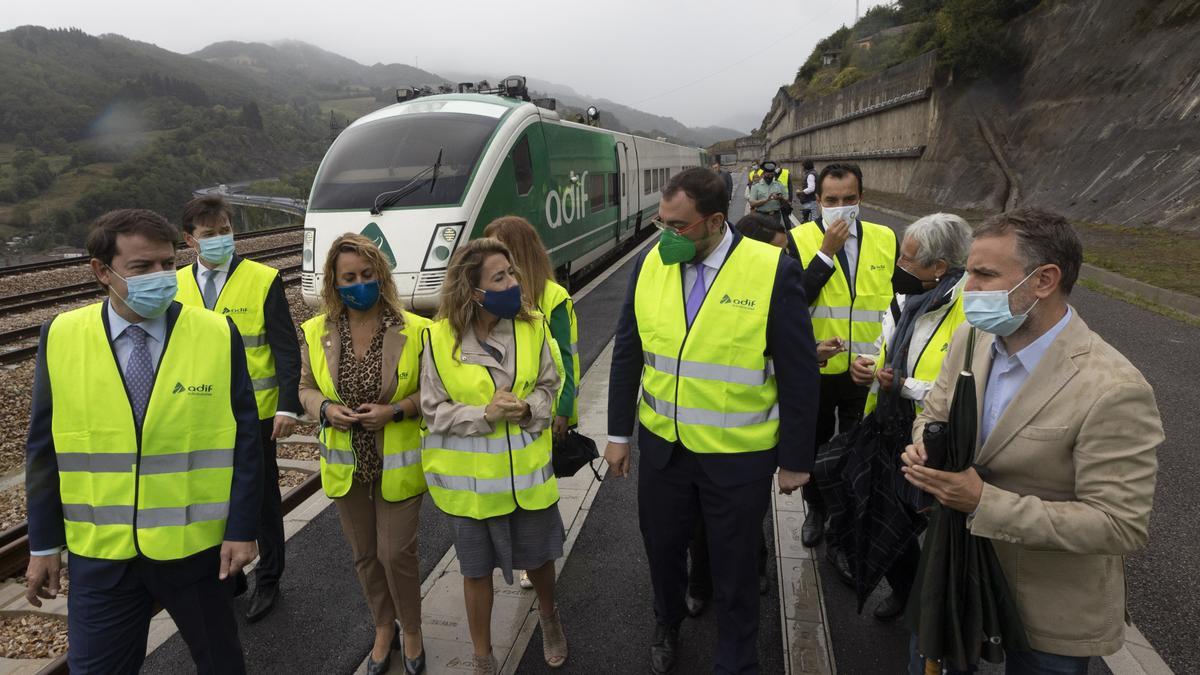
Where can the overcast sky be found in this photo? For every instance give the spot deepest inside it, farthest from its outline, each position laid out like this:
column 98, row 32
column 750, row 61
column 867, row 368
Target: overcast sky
column 700, row 61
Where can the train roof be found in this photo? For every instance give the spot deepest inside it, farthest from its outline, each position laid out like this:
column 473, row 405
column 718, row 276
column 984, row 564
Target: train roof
column 488, row 105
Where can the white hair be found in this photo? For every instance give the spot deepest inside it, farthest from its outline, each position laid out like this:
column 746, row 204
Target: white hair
column 940, row 236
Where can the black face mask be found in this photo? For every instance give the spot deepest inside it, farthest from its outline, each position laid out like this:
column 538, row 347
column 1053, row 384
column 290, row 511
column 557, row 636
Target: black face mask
column 905, row 283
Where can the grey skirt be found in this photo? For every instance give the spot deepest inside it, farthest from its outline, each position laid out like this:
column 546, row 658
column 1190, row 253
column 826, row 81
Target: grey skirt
column 523, row 540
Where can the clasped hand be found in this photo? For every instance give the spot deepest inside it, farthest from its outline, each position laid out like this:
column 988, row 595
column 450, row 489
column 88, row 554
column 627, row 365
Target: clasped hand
column 372, row 416
column 958, row 490
column 505, row 406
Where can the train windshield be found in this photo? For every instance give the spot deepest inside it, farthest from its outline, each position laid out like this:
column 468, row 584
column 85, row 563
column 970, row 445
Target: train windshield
column 395, row 152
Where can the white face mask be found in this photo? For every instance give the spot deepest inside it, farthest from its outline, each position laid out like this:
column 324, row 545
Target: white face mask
column 832, row 214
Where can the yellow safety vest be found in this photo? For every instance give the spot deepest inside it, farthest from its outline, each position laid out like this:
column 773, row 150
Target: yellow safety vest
column 929, row 363
column 553, row 296
column 755, row 175
column 241, row 299
column 163, row 493
column 710, row 386
column 783, row 179
column 402, row 477
column 857, row 318
column 485, row 476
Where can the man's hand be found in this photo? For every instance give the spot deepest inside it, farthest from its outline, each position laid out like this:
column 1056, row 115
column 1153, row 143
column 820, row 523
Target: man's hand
column 959, row 490
column 836, row 234
column 560, row 425
column 885, row 377
column 41, row 578
column 829, row 348
column 235, row 555
column 914, row 455
column 790, row 481
column 284, row 426
column 617, row 456
column 862, row 370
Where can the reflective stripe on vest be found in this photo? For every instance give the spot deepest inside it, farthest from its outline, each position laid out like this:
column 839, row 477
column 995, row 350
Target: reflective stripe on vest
column 491, row 475
column 175, row 486
column 710, row 387
column 401, row 441
column 857, row 319
column 933, row 353
column 241, row 299
column 552, row 297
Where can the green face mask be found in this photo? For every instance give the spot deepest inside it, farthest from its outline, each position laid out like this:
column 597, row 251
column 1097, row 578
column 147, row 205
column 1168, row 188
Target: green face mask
column 674, row 248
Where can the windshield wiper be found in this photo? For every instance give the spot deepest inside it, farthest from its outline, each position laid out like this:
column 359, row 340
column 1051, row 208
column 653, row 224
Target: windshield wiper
column 436, row 166
column 390, row 197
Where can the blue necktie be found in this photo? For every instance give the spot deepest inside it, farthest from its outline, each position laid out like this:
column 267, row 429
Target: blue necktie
column 139, row 373
column 210, row 288
column 696, row 296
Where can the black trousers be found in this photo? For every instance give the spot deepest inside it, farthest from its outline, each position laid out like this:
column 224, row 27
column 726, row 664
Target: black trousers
column 270, row 529
column 107, row 627
column 670, row 502
column 903, row 572
column 700, row 584
column 840, row 408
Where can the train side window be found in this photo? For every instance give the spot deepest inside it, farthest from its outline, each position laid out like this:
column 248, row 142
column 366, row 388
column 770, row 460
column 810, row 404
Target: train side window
column 595, row 190
column 523, row 166
column 657, row 180
column 646, row 183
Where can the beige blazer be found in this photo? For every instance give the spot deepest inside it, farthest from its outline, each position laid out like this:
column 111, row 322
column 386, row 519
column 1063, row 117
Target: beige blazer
column 394, row 343
column 1073, row 464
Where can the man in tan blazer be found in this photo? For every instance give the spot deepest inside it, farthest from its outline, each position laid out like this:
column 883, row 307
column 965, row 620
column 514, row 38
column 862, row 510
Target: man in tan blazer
column 1068, row 434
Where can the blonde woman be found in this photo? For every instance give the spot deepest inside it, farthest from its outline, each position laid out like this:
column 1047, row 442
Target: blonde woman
column 488, row 385
column 360, row 374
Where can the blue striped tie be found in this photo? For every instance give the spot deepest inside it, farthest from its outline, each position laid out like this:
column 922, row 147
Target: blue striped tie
column 139, row 373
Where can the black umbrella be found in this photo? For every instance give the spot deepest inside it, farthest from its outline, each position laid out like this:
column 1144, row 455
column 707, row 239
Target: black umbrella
column 962, row 609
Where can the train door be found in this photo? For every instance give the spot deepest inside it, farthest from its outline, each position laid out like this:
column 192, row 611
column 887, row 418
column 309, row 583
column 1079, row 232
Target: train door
column 626, row 206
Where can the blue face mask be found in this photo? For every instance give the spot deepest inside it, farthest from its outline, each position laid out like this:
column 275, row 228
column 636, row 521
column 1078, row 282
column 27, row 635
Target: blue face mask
column 360, row 296
column 505, row 304
column 989, row 311
column 216, row 250
column 149, row 295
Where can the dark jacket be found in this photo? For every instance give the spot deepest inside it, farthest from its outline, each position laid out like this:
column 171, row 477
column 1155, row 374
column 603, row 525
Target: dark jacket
column 46, row 529
column 789, row 342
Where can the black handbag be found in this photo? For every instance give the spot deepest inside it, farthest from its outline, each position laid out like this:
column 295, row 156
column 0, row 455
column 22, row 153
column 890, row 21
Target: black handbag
column 573, row 452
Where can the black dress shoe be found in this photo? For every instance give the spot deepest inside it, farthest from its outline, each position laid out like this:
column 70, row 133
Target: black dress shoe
column 841, row 564
column 415, row 666
column 891, row 607
column 662, row 652
column 262, row 602
column 379, row 667
column 696, row 604
column 813, row 529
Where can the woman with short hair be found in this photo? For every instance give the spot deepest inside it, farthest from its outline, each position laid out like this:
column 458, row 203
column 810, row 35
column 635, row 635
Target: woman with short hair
column 359, row 377
column 488, row 387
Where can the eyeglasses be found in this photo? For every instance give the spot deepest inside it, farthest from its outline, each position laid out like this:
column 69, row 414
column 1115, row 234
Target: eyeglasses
column 658, row 222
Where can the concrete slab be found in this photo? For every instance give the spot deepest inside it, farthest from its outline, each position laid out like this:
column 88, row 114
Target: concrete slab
column 788, row 525
column 808, row 648
column 801, row 591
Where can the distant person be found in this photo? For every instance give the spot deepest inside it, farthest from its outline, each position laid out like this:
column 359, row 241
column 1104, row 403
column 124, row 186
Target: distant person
column 784, row 177
column 807, row 195
column 848, row 265
column 488, row 387
column 1068, row 435
column 767, row 197
column 714, row 348
column 536, row 275
column 143, row 459
column 725, row 176
column 360, row 380
column 251, row 294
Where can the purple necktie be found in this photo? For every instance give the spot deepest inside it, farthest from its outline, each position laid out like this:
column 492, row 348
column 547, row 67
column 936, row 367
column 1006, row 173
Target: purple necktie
column 696, row 295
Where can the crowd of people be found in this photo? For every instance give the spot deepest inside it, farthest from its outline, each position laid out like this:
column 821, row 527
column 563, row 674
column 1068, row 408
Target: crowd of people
column 802, row 349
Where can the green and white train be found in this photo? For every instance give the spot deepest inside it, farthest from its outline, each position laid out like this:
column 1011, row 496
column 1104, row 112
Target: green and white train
column 422, row 176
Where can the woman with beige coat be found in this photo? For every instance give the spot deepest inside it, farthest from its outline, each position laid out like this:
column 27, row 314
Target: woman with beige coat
column 360, row 377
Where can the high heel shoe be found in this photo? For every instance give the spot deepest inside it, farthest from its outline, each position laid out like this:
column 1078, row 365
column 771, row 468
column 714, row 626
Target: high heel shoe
column 381, row 667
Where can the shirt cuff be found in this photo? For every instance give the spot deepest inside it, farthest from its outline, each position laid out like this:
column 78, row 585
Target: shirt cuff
column 619, row 439
column 824, row 258
column 284, row 413
column 50, row 551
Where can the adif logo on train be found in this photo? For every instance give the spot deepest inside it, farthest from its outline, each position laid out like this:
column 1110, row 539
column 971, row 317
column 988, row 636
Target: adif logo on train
column 563, row 206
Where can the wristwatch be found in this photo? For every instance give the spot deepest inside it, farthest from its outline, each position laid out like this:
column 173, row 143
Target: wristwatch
column 397, row 413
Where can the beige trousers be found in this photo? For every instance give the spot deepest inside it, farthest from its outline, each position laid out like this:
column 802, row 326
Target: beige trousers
column 383, row 536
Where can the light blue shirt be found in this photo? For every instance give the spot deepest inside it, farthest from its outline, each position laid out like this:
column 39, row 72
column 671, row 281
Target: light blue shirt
column 1009, row 372
column 156, row 328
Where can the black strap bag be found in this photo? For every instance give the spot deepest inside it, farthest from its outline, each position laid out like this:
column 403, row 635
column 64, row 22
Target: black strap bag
column 573, row 452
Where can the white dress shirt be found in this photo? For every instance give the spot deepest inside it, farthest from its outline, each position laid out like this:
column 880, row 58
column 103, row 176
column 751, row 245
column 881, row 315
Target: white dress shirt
column 1009, row 372
column 712, row 264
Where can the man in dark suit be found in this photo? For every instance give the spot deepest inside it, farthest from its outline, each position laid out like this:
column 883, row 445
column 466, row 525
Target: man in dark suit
column 142, row 460
column 725, row 176
column 723, row 351
column 251, row 294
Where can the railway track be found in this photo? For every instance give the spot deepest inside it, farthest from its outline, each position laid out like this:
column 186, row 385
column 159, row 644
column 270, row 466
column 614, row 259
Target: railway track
column 14, row 339
column 23, row 268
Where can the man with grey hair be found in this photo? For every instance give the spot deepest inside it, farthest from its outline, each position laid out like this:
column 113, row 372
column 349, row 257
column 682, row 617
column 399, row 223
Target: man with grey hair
column 1068, row 431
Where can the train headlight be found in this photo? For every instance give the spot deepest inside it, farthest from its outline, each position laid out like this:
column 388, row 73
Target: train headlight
column 441, row 245
column 309, row 256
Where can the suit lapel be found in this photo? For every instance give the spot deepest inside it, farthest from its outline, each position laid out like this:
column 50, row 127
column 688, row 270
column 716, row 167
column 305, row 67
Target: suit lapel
column 1052, row 373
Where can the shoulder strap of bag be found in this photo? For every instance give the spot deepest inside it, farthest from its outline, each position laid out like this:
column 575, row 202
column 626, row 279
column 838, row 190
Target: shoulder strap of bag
column 970, row 350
